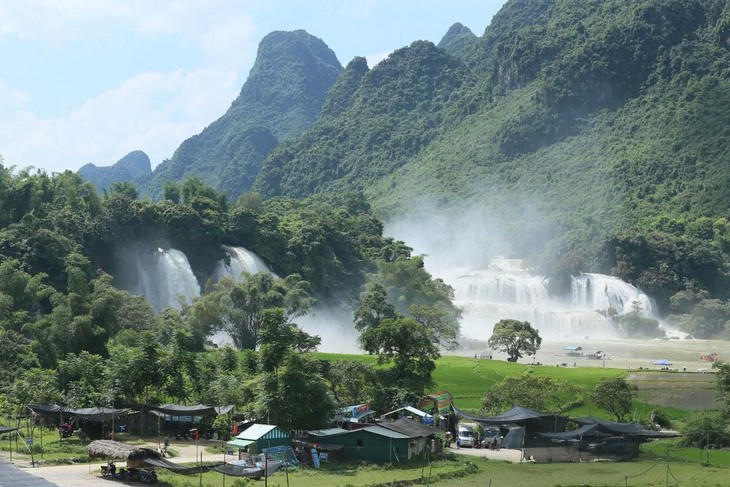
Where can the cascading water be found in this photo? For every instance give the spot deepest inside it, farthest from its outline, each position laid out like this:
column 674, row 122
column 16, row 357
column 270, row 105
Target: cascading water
column 241, row 260
column 505, row 290
column 163, row 277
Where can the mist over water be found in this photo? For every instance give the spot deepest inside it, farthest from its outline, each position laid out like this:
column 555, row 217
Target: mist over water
column 241, row 260
column 334, row 326
column 467, row 250
column 162, row 276
column 504, row 290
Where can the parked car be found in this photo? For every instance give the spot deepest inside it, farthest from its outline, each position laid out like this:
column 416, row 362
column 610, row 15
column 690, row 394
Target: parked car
column 465, row 436
column 491, row 438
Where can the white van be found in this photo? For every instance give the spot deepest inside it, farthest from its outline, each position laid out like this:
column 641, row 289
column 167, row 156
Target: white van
column 465, row 436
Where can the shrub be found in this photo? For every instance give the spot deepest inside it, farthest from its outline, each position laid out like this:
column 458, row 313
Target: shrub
column 706, row 430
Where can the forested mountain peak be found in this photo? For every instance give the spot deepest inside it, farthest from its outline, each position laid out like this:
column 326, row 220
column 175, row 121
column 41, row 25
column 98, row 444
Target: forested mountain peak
column 127, row 168
column 575, row 125
column 458, row 39
column 393, row 106
column 281, row 98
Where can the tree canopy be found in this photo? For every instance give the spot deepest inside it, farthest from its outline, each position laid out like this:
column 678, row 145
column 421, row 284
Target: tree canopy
column 515, row 338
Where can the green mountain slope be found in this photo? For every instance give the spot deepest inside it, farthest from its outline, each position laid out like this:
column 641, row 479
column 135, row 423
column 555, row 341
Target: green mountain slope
column 133, row 165
column 395, row 112
column 282, row 97
column 597, row 129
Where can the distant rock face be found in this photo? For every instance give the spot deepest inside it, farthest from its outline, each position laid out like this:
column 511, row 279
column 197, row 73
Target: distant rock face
column 281, row 98
column 129, row 167
column 458, row 40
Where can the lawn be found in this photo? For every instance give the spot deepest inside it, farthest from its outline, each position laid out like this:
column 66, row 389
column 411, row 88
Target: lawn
column 462, row 471
column 467, row 379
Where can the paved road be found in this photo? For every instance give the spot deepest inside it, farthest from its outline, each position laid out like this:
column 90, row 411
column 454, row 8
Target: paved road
column 513, row 456
column 12, row 476
column 87, row 475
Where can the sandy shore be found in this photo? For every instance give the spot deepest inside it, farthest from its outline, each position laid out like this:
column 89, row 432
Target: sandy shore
column 625, row 354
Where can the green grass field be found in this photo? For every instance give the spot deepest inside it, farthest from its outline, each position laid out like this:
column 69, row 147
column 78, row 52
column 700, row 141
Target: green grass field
column 472, row 472
column 468, row 379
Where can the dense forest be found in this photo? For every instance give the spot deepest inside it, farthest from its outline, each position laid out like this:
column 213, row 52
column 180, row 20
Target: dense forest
column 581, row 136
column 578, row 135
column 67, row 333
column 592, row 136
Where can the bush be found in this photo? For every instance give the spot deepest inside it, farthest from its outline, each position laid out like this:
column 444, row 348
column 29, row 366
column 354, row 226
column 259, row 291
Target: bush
column 706, row 430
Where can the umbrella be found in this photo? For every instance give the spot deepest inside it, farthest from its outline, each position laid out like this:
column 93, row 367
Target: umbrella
column 663, row 362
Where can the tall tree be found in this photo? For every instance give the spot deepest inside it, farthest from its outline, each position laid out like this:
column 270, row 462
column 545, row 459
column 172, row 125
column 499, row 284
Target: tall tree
column 615, row 396
column 411, row 349
column 238, row 308
column 515, row 338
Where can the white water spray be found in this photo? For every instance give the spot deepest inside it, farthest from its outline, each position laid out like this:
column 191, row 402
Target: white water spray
column 241, row 260
column 506, row 291
column 164, row 277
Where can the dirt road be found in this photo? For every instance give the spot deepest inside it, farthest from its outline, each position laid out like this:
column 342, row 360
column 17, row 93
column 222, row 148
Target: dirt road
column 88, row 475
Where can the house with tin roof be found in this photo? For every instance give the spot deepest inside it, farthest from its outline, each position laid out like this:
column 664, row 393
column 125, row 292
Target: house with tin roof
column 258, row 437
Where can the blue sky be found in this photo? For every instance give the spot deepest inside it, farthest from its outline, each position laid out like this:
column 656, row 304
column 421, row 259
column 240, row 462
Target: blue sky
column 91, row 80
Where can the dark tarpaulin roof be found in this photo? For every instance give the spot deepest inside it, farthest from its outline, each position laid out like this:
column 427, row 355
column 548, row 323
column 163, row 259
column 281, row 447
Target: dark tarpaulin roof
column 47, row 408
column 631, row 429
column 514, row 439
column 197, row 410
column 93, row 414
column 244, row 471
column 585, row 430
column 7, row 429
column 98, row 414
column 516, row 415
column 176, row 467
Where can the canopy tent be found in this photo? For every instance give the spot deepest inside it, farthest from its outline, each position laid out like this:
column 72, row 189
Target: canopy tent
column 98, row 414
column 197, row 410
column 613, row 428
column 92, row 414
column 175, row 467
column 243, row 469
column 533, row 420
column 663, row 362
column 407, row 410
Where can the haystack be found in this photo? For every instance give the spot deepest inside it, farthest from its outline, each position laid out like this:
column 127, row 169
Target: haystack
column 114, row 450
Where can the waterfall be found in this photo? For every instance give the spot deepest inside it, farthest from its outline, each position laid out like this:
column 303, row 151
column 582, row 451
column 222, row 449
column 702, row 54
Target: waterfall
column 163, row 277
column 506, row 290
column 596, row 291
column 241, row 260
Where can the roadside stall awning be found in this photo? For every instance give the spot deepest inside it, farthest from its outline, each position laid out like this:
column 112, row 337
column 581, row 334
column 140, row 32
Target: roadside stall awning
column 239, row 443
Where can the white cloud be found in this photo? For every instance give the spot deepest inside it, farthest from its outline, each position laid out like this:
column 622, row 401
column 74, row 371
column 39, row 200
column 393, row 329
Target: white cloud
column 374, row 59
column 11, row 100
column 153, row 112
column 213, row 24
column 357, row 9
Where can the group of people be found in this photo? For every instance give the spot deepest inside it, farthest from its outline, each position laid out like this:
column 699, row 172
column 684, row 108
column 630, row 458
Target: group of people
column 140, row 475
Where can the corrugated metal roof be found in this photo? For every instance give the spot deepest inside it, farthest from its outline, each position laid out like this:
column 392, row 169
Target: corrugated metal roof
column 240, row 443
column 410, row 409
column 327, row 432
column 410, row 428
column 258, row 431
column 379, row 430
